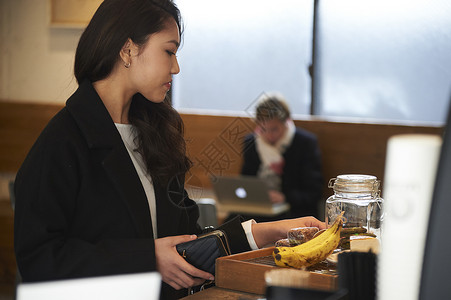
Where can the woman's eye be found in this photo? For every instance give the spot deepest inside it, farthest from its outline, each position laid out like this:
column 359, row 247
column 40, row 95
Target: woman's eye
column 170, row 52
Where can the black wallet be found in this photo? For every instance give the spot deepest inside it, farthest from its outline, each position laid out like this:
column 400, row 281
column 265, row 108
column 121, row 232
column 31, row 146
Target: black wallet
column 203, row 251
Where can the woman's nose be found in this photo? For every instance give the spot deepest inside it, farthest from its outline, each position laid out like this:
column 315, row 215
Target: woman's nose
column 175, row 66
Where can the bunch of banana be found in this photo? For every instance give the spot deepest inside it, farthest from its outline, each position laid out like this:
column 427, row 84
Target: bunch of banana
column 311, row 252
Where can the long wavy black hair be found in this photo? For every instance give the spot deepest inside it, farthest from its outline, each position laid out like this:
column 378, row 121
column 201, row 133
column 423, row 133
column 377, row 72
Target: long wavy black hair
column 158, row 125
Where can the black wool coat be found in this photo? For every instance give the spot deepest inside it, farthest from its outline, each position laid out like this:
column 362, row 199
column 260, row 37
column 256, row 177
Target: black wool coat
column 81, row 210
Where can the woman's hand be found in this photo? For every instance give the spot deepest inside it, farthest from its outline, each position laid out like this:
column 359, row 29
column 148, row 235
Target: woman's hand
column 269, row 232
column 174, row 270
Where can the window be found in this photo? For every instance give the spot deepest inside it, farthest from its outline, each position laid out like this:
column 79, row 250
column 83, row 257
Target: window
column 382, row 59
column 376, row 60
column 234, row 50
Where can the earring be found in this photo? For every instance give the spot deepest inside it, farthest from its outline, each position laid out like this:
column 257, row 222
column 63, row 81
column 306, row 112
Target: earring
column 127, row 64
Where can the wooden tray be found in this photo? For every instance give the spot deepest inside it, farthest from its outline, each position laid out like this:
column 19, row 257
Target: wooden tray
column 246, row 272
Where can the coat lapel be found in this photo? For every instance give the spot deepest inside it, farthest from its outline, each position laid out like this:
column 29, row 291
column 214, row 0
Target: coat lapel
column 122, row 173
column 101, row 134
column 166, row 226
column 173, row 201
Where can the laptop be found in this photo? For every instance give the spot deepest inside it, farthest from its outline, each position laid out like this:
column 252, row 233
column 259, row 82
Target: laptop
column 140, row 286
column 246, row 194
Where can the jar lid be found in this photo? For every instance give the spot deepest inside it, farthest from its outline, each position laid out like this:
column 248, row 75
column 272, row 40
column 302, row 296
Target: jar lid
column 355, row 183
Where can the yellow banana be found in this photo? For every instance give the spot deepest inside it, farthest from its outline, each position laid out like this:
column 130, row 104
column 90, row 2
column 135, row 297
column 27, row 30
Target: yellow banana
column 311, row 252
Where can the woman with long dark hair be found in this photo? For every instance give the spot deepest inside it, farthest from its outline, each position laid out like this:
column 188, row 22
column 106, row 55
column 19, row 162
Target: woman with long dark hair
column 101, row 191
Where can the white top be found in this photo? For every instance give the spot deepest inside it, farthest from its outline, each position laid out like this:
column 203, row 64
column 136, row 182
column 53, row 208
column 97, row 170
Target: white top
column 128, row 135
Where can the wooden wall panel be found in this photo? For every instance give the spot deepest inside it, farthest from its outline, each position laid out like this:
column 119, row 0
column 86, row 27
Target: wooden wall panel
column 345, row 147
column 20, row 125
column 214, row 145
column 7, row 258
column 214, row 142
column 356, row 148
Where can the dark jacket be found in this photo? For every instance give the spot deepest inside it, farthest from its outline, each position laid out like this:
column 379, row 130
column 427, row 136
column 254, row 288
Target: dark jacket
column 301, row 179
column 80, row 207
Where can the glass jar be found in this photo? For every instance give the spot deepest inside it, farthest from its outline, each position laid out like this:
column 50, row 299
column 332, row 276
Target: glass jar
column 359, row 197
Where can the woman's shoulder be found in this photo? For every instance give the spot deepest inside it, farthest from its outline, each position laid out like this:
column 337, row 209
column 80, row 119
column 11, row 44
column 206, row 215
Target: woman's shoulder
column 61, row 133
column 62, row 125
column 57, row 144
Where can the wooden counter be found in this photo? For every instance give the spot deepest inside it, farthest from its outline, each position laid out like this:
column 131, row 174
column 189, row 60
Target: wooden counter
column 223, row 294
